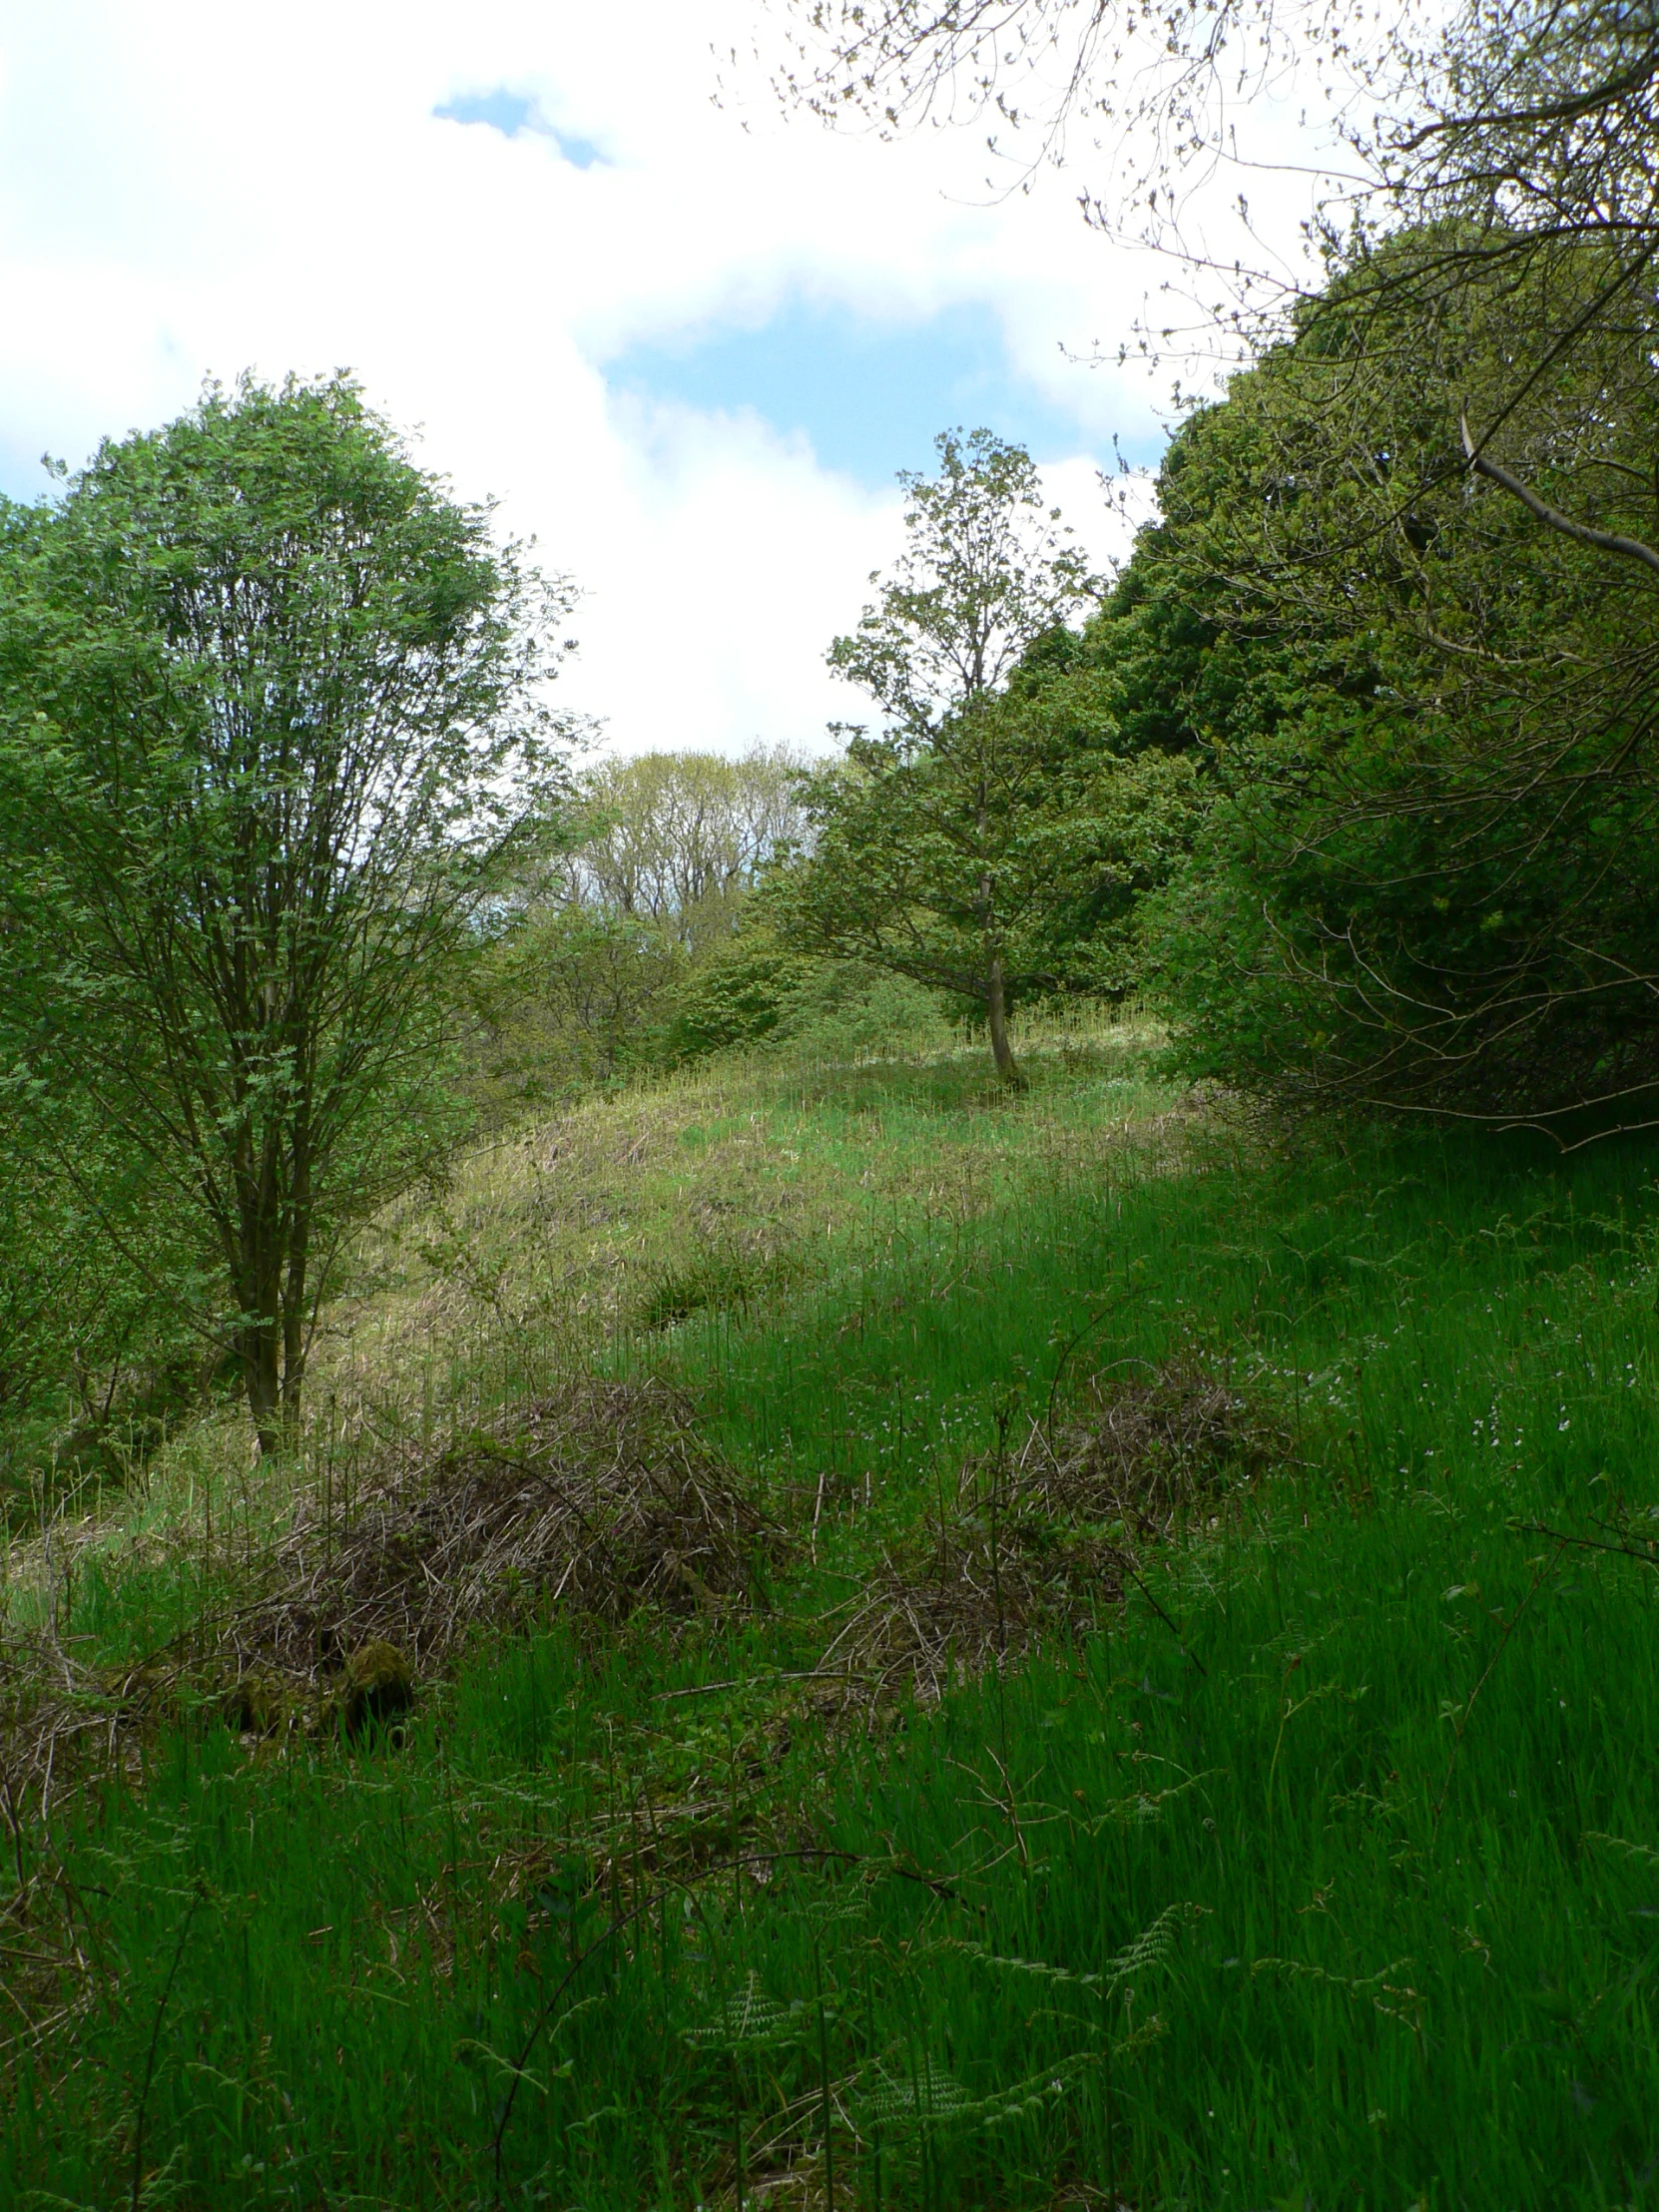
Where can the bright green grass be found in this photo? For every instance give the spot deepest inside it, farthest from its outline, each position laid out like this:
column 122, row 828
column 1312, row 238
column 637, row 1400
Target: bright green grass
column 1397, row 1959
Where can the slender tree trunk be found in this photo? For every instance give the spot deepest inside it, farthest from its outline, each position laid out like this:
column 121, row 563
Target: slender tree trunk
column 259, row 1272
column 299, row 1224
column 997, row 1014
column 261, row 1346
column 294, row 1346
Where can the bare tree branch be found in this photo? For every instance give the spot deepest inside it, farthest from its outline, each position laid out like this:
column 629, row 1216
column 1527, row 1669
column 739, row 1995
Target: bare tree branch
column 1582, row 533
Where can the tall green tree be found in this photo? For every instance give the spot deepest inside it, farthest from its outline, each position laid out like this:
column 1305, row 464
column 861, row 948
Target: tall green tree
column 273, row 713
column 966, row 842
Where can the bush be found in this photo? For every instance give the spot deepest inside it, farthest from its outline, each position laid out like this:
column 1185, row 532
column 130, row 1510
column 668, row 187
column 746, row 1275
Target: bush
column 758, row 995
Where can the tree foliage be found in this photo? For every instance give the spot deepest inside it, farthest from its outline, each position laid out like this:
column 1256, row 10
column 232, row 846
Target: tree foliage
column 988, row 569
column 1415, row 549
column 92, row 1360
column 991, row 839
column 272, row 713
column 1502, row 137
column 677, row 839
column 642, row 883
column 1430, row 884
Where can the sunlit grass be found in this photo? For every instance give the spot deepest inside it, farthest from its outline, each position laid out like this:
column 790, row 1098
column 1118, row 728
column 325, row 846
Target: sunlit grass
column 1325, row 1873
column 753, row 1175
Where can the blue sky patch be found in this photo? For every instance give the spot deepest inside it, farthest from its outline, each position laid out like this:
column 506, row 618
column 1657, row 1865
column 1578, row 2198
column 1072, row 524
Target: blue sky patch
column 512, row 113
column 869, row 396
column 501, row 109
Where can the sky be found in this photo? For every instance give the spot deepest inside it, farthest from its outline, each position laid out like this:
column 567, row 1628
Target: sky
column 686, row 342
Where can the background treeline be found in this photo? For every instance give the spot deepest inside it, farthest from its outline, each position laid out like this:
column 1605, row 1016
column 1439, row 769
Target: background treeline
column 633, row 943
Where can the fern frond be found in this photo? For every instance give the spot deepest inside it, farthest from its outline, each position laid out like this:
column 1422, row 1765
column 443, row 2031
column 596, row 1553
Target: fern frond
column 1144, row 1806
column 1005, row 1964
column 930, row 2093
column 1140, row 1955
column 1148, row 1950
column 1302, row 1970
column 934, row 2094
column 748, row 2017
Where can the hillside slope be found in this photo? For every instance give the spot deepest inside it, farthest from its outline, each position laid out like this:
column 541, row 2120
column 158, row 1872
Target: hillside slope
column 968, row 1652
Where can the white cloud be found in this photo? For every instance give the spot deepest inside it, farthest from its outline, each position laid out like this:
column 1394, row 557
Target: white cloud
column 187, row 189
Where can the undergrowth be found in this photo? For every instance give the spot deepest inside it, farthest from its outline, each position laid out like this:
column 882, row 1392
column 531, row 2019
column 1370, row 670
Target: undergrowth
column 1311, row 1861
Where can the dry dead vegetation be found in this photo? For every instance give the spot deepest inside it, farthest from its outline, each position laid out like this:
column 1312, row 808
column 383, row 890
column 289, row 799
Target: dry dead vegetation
column 600, row 1497
column 1045, row 1536
column 601, row 1500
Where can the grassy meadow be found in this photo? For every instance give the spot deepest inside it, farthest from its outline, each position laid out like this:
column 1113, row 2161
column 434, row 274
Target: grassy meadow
column 1182, row 1729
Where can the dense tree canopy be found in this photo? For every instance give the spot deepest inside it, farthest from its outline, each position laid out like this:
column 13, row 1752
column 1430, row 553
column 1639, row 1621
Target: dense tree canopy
column 272, row 713
column 1429, row 882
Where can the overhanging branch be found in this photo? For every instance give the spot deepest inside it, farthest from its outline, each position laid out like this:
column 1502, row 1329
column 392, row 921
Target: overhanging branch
column 1583, row 533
